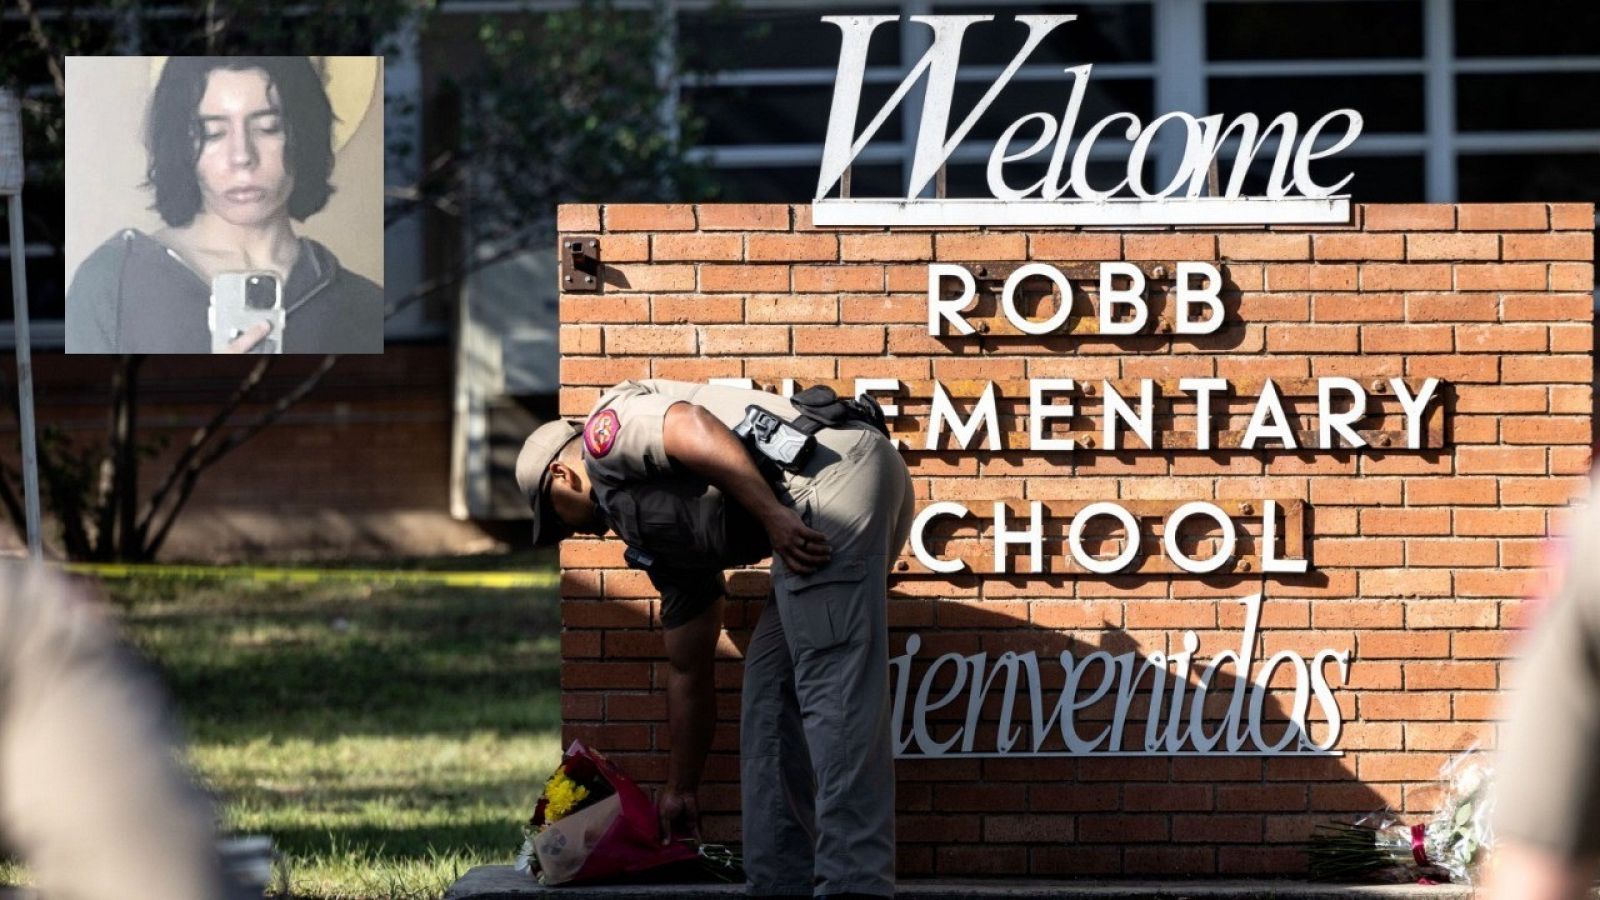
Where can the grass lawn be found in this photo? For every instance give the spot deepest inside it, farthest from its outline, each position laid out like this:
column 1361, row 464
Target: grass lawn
column 387, row 738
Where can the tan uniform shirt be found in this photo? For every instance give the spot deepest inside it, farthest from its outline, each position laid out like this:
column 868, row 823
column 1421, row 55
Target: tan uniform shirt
column 683, row 530
column 1548, row 791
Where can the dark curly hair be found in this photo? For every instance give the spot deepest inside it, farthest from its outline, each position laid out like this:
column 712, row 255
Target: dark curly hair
column 173, row 134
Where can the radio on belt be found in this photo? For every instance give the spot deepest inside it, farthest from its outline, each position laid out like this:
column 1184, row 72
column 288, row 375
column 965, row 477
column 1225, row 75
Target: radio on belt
column 775, row 439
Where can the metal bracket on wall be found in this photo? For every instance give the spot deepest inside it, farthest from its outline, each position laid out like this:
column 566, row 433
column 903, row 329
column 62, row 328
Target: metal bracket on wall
column 580, row 264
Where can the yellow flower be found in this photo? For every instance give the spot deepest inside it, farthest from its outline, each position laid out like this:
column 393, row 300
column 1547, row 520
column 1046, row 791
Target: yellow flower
column 563, row 795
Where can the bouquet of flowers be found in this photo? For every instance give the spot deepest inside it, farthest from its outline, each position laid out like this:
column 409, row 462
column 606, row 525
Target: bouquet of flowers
column 1445, row 849
column 592, row 823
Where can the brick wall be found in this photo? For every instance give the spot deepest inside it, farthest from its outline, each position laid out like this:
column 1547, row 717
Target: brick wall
column 1421, row 560
column 367, row 453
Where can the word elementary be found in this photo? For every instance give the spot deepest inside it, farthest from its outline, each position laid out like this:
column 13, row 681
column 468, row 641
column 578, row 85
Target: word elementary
column 1124, row 310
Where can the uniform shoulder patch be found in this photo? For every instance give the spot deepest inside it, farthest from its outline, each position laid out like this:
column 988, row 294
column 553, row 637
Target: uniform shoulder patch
column 600, row 432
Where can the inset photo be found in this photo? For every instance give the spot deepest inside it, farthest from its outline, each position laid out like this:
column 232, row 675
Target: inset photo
column 224, row 204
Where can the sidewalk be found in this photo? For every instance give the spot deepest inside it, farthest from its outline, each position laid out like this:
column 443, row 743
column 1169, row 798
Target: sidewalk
column 503, row 883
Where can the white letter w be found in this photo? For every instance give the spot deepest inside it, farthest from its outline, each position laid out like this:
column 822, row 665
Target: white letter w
column 940, row 62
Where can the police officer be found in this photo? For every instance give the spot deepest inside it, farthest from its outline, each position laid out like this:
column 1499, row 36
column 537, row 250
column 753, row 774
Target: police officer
column 658, row 462
column 1546, row 813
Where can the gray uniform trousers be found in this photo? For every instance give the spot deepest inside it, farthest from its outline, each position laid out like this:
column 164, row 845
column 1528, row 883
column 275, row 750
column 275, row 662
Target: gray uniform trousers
column 816, row 745
column 91, row 792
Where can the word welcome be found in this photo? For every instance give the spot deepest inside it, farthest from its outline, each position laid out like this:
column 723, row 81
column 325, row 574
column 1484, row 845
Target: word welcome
column 1030, row 722
column 1064, row 195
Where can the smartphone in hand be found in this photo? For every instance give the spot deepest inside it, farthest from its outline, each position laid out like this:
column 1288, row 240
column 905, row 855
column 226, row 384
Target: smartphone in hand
column 241, row 301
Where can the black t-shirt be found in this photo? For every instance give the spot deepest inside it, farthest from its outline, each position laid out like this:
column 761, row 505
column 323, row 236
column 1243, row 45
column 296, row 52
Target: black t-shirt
column 133, row 295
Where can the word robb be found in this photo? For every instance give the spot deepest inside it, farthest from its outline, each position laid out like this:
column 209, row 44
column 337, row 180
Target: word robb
column 1175, row 725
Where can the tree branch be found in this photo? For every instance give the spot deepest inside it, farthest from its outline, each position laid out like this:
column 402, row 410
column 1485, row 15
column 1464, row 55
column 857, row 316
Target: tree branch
column 36, row 31
column 193, row 470
column 201, row 437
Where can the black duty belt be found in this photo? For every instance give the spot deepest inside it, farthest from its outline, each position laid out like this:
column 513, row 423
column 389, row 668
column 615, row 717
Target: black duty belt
column 778, row 445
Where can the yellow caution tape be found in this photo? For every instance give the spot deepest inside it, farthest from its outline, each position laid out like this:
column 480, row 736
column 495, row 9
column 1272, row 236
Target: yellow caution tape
column 489, row 580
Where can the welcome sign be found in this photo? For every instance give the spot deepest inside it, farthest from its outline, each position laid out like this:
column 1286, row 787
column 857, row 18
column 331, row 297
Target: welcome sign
column 1065, row 195
column 1220, row 531
column 1174, row 724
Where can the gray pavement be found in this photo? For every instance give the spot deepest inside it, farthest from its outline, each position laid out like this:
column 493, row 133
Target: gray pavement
column 503, row 883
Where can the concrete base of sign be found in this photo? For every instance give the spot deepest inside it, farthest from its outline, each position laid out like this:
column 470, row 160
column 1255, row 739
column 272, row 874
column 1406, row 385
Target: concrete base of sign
column 504, row 883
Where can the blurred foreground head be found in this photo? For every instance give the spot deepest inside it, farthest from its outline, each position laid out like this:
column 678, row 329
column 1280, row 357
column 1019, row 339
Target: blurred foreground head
column 92, row 795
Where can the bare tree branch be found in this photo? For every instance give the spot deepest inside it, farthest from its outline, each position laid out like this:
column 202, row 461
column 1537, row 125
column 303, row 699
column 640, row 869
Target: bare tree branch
column 202, row 436
column 197, row 466
column 42, row 40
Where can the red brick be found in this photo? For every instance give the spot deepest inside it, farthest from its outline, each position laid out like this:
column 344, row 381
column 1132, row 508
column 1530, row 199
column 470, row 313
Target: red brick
column 1501, row 277
column 606, row 372
column 650, row 340
column 1405, row 277
column 1502, row 338
column 792, row 308
column 1406, row 707
column 1450, row 675
column 1572, row 216
column 1300, row 277
column 1573, row 246
column 1571, row 276
column 1452, row 552
column 721, row 340
column 1403, row 644
column 838, row 278
column 1503, row 583
column 1313, row 338
column 1545, row 430
column 1400, row 766
column 809, row 247
column 1367, row 307
column 1075, row 246
column 1452, row 246
column 886, row 248
column 1408, row 217
column 649, row 217
column 1452, row 307
column 744, row 278
column 744, row 217
column 1448, row 737
column 1264, row 246
column 848, row 340
column 571, row 217
column 1169, row 247
column 695, row 308
column 1481, row 491
column 579, row 340
column 1549, row 307
column 1407, row 338
column 1499, row 522
column 1359, row 247
column 649, row 279
column 970, row 247
column 1502, row 217
column 1405, row 583
column 696, row 247
column 1405, row 521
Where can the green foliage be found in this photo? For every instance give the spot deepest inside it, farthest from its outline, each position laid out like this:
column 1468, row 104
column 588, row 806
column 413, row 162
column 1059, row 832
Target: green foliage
column 566, row 105
column 388, row 739
column 574, row 105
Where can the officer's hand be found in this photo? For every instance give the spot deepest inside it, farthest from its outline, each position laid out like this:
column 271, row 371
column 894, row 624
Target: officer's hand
column 680, row 814
column 804, row 550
